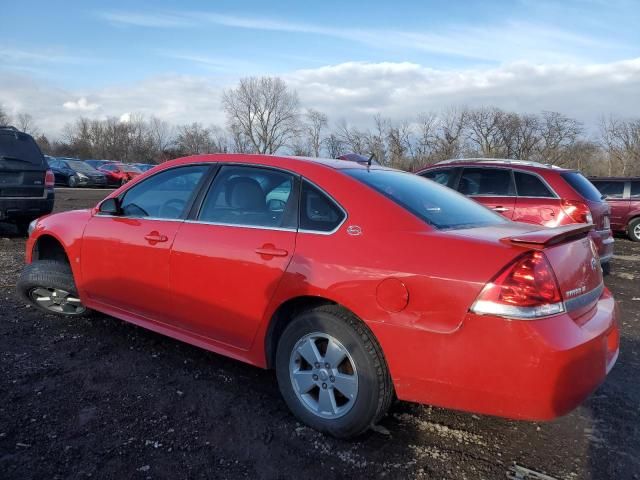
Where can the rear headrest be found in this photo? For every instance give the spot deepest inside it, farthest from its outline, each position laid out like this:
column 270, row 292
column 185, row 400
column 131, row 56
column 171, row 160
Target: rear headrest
column 245, row 193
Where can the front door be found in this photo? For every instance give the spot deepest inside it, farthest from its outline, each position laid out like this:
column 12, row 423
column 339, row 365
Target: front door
column 125, row 257
column 226, row 264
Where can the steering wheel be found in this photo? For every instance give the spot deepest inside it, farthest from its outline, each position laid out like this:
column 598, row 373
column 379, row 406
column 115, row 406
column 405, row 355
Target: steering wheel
column 172, row 208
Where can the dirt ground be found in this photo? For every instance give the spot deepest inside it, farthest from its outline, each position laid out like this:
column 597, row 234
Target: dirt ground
column 104, row 399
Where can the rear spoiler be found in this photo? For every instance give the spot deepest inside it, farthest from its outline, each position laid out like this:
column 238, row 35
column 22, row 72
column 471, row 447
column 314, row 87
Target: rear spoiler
column 550, row 236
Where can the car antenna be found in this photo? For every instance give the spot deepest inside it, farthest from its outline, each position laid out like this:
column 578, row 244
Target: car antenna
column 371, row 157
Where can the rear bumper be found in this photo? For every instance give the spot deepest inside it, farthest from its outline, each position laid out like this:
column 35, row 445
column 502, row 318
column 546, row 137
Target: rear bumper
column 533, row 370
column 604, row 242
column 25, row 208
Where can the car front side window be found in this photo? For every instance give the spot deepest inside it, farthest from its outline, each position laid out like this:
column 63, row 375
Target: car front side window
column 165, row 195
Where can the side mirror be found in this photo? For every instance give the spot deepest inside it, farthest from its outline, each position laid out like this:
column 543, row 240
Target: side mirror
column 111, row 206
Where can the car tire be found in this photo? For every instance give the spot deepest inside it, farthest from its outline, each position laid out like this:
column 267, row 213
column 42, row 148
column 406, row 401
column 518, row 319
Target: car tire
column 49, row 286
column 72, row 181
column 606, row 268
column 359, row 387
column 634, row 229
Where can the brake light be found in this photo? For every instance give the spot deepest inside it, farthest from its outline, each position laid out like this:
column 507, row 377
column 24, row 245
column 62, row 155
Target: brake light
column 526, row 289
column 579, row 212
column 49, row 179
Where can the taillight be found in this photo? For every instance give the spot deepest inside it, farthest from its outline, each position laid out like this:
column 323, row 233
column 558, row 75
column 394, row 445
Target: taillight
column 579, row 212
column 49, row 179
column 526, row 289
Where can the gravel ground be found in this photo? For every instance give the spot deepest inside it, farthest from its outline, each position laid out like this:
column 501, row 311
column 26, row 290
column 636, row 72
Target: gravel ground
column 102, row 398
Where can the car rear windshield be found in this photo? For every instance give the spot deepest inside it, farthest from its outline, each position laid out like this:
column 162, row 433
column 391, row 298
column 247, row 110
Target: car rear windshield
column 583, row 186
column 435, row 204
column 19, row 147
column 81, row 167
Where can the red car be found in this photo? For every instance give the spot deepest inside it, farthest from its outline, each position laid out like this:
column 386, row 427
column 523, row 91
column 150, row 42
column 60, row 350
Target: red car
column 357, row 284
column 119, row 173
column 530, row 192
column 623, row 195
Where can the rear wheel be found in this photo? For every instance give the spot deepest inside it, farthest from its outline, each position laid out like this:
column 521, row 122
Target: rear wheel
column 49, row 286
column 332, row 373
column 634, row 230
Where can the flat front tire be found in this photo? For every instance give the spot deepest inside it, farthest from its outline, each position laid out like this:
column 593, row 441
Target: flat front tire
column 49, row 286
column 332, row 373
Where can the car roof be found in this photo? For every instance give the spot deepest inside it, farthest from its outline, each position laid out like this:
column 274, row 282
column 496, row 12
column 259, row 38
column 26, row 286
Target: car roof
column 503, row 162
column 615, row 179
column 284, row 161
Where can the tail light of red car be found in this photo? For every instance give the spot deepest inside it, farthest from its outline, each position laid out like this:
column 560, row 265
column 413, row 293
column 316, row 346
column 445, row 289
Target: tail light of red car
column 49, row 179
column 526, row 289
column 578, row 211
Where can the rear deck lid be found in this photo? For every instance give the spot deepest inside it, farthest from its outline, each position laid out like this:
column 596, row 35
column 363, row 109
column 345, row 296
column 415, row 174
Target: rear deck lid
column 22, row 165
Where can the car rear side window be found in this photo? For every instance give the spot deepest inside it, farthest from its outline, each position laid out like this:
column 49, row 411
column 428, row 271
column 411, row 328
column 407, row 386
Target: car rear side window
column 528, row 185
column 318, row 212
column 435, row 204
column 635, row 189
column 251, row 196
column 582, row 186
column 486, row 181
column 610, row 189
column 165, row 195
column 18, row 147
column 443, row 176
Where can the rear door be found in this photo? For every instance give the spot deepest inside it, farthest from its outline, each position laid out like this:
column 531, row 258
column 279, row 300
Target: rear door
column 444, row 176
column 536, row 202
column 227, row 261
column 22, row 166
column 492, row 187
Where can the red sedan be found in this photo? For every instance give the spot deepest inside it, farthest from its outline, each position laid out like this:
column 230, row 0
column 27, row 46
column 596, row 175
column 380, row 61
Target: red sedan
column 119, row 173
column 355, row 283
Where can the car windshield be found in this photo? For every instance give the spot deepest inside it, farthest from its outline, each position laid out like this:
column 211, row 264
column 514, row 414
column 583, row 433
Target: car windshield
column 435, row 204
column 128, row 168
column 583, row 186
column 18, row 146
column 81, row 167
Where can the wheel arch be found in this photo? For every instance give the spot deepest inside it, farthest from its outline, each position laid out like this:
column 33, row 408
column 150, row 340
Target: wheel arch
column 48, row 247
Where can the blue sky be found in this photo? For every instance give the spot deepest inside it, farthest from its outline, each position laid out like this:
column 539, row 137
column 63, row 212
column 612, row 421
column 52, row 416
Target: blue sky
column 93, row 57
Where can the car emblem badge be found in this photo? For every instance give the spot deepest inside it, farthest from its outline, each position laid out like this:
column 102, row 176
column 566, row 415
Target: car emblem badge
column 354, row 230
column 594, row 264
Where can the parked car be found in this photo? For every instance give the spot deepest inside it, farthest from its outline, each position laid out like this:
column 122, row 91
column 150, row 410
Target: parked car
column 143, row 167
column 76, row 173
column 119, row 173
column 98, row 163
column 362, row 284
column 623, row 196
column 530, row 192
column 26, row 183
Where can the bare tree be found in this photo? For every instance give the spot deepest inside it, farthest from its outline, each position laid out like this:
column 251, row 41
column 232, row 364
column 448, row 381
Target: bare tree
column 621, row 138
column 333, row 145
column 25, row 123
column 484, row 130
column 195, row 139
column 5, row 119
column 162, row 136
column 263, row 110
column 557, row 133
column 316, row 122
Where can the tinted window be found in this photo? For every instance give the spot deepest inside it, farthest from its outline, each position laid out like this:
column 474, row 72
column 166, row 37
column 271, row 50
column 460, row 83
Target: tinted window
column 583, row 186
column 635, row 189
column 317, row 211
column 486, row 181
column 79, row 166
column 610, row 189
column 251, row 196
column 165, row 195
column 529, row 185
column 435, row 204
column 442, row 176
column 18, row 147
column 110, row 167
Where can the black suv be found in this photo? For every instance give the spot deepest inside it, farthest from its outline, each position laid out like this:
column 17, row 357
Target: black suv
column 26, row 183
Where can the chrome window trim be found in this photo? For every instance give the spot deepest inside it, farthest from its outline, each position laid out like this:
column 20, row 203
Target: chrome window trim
column 155, row 219
column 584, row 299
column 235, row 225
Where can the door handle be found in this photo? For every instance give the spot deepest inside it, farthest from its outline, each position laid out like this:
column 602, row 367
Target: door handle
column 155, row 237
column 500, row 209
column 272, row 251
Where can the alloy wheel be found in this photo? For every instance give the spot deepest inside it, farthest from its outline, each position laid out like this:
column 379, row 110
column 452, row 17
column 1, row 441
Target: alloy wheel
column 56, row 300
column 636, row 231
column 323, row 375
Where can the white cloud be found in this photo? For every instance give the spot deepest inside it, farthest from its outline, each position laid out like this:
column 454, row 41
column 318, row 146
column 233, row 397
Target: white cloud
column 80, row 105
column 354, row 91
column 158, row 20
column 125, row 117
